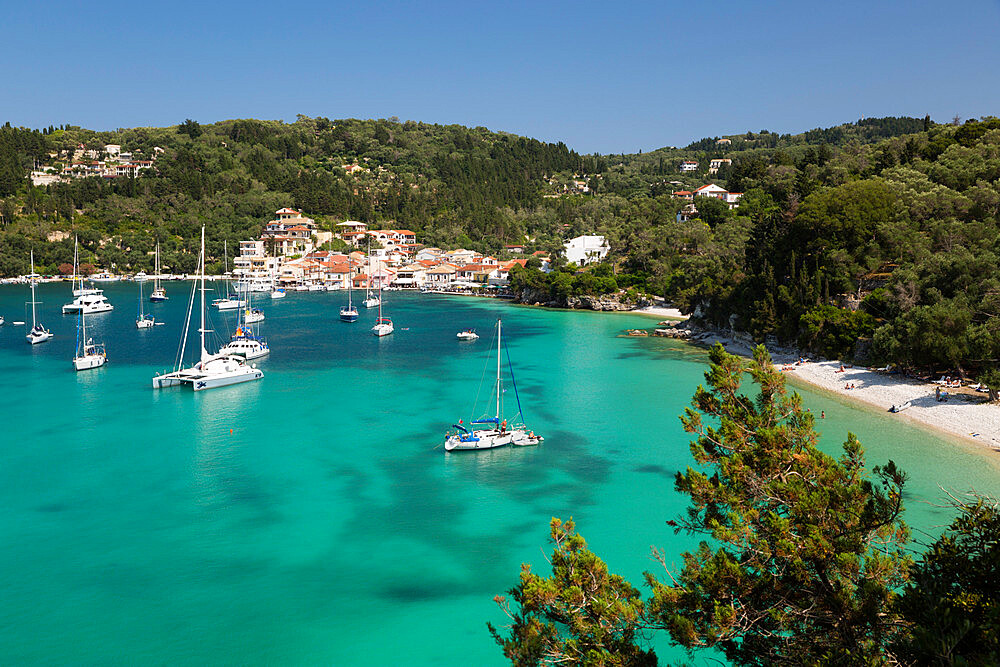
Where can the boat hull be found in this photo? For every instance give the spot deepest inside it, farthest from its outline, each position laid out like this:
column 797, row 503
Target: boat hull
column 200, row 381
column 478, row 440
column 89, row 361
column 36, row 338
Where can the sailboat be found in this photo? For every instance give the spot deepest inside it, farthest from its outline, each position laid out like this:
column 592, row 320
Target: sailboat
column 349, row 313
column 88, row 353
column 38, row 333
column 142, row 320
column 245, row 342
column 230, row 301
column 276, row 292
column 500, row 434
column 159, row 293
column 383, row 325
column 212, row 370
column 371, row 301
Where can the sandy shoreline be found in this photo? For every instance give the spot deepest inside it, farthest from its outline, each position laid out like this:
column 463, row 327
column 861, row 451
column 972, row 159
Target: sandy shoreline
column 660, row 312
column 970, row 418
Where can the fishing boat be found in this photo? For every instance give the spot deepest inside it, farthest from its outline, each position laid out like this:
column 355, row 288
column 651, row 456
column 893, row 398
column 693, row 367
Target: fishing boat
column 88, row 353
column 158, row 293
column 497, row 432
column 383, row 325
column 468, row 334
column 277, row 293
column 349, row 313
column 38, row 333
column 142, row 320
column 212, row 370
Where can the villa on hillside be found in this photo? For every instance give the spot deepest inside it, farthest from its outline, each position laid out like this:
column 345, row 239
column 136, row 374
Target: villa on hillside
column 586, row 249
column 716, row 163
column 689, row 165
column 290, row 233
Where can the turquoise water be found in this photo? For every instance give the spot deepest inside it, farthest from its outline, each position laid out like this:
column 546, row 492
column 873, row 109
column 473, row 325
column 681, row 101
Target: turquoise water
column 312, row 517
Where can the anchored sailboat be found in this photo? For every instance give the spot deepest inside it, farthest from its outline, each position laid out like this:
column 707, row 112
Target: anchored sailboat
column 498, row 433
column 383, row 325
column 371, row 301
column 349, row 313
column 245, row 341
column 159, row 293
column 88, row 353
column 38, row 333
column 142, row 320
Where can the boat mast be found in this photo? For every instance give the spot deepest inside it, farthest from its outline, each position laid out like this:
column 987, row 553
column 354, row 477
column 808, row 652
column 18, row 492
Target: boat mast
column 156, row 278
column 204, row 352
column 76, row 257
column 498, row 372
column 32, row 288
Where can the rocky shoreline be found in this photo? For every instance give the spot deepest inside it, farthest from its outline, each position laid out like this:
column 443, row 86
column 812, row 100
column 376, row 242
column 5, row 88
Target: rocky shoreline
column 605, row 302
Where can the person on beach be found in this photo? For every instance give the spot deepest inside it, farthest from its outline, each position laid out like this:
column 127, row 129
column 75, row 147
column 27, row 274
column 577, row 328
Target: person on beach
column 822, row 414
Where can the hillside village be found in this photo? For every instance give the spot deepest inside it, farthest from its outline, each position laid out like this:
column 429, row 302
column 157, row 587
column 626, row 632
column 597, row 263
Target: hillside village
column 288, row 253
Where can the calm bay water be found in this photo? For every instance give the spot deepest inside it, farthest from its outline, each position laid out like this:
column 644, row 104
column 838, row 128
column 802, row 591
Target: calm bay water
column 312, row 517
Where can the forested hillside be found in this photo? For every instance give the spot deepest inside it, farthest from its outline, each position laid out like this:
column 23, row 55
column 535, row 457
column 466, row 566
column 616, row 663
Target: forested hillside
column 877, row 238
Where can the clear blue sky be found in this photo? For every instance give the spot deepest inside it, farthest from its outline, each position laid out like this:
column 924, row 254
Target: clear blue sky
column 600, row 76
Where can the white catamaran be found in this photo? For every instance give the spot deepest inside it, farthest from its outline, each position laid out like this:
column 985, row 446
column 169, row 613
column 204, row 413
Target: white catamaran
column 212, row 370
column 497, row 432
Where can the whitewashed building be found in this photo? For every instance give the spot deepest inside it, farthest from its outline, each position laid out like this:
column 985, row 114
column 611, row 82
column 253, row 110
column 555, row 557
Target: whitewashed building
column 586, row 249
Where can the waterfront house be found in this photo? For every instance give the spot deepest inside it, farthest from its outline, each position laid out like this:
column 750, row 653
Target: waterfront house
column 441, row 275
column 411, row 275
